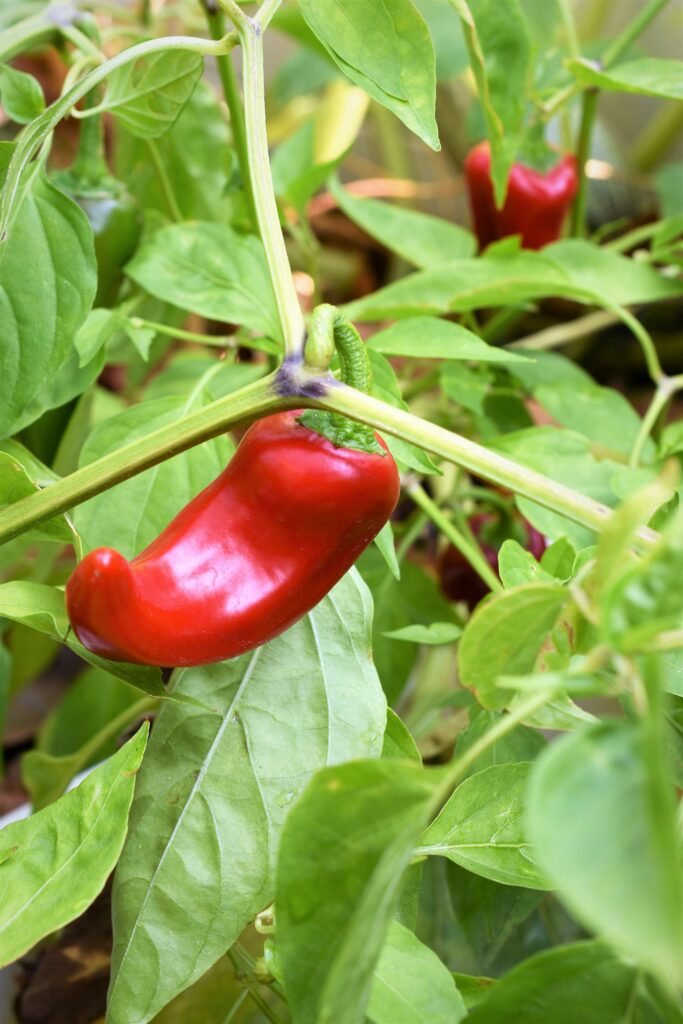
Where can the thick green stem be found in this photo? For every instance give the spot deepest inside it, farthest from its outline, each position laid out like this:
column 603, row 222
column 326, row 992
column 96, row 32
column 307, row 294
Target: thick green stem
column 226, row 73
column 474, row 457
column 564, row 334
column 621, row 44
column 285, row 391
column 665, row 389
column 588, row 113
column 248, row 403
column 291, row 317
column 469, row 551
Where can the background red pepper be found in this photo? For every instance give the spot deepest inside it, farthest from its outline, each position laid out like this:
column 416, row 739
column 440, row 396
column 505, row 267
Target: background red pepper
column 535, row 206
column 459, row 581
column 251, row 554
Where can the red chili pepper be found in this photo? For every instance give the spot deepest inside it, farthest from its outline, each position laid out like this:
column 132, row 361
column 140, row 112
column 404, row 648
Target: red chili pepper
column 251, row 554
column 459, row 581
column 535, row 206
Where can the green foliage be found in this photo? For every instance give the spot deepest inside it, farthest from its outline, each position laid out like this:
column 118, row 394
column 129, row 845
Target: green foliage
column 503, row 843
column 53, row 864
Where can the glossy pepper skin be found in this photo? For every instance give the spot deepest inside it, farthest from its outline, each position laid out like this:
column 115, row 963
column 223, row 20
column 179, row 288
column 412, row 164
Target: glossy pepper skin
column 536, row 203
column 459, row 581
column 247, row 558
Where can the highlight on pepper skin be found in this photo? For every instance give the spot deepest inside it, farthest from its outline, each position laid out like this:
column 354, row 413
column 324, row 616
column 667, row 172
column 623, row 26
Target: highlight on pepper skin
column 247, row 558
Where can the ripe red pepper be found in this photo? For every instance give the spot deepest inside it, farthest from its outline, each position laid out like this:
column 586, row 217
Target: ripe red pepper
column 459, row 581
column 535, row 206
column 251, row 554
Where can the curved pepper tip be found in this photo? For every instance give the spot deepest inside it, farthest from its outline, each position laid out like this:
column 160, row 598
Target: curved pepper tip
column 100, row 582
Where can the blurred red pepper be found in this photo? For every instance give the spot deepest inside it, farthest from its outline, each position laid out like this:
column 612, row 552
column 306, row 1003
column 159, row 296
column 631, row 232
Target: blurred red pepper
column 535, row 206
column 459, row 581
column 247, row 558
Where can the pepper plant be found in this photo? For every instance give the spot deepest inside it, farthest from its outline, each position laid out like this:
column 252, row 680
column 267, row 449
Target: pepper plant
column 447, row 788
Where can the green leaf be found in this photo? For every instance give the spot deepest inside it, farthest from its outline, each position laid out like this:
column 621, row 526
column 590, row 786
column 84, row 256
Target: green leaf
column 388, row 52
column 575, row 400
column 601, row 818
column 411, row 985
column 50, row 242
column 646, row 599
column 566, row 457
column 426, row 337
column 435, row 633
column 505, row 636
column 209, row 269
column 584, row 982
column 53, row 864
column 522, row 744
column 71, row 379
column 500, row 49
column 20, row 95
column 481, row 827
column 132, row 514
column 42, row 608
column 420, row 238
column 147, row 95
column 216, row 788
column 385, row 386
column 345, row 846
column 385, row 545
column 398, row 742
column 648, row 76
column 196, row 156
column 609, row 278
column 414, row 599
column 516, row 566
column 84, row 729
column 574, row 269
column 18, row 470
column 669, row 182
column 296, row 174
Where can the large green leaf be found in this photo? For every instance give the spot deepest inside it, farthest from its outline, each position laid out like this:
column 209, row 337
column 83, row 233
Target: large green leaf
column 387, row 50
column 575, row 400
column 215, row 790
column 148, row 94
column 411, row 985
column 209, row 269
column 196, row 157
column 649, row 76
column 21, row 95
column 584, row 982
column 505, row 636
column 420, row 238
column 427, row 337
column 344, row 849
column 574, row 269
column 482, row 827
column 22, row 474
column 53, row 864
column 50, row 242
column 601, row 818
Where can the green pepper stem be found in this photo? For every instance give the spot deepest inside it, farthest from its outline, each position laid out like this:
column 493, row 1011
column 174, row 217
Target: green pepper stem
column 226, row 72
column 291, row 317
column 270, row 395
column 474, row 457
